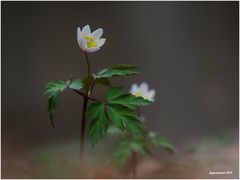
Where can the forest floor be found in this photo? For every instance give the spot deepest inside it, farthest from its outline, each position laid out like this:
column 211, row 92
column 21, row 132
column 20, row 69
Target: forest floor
column 61, row 160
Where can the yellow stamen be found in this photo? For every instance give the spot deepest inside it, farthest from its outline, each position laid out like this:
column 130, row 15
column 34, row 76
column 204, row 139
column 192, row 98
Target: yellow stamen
column 91, row 43
column 140, row 94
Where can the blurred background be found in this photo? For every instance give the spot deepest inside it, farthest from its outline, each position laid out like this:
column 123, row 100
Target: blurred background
column 187, row 51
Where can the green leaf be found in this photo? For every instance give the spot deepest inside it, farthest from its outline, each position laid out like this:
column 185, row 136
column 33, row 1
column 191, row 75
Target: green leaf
column 121, row 107
column 53, row 89
column 52, row 105
column 125, row 118
column 116, row 95
column 114, row 92
column 130, row 100
column 119, row 70
column 158, row 141
column 76, row 84
column 99, row 121
column 54, row 86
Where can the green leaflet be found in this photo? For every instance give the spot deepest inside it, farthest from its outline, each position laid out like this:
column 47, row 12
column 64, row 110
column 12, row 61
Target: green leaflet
column 116, row 95
column 114, row 92
column 53, row 89
column 119, row 70
column 55, row 86
column 76, row 84
column 127, row 146
column 52, row 105
column 99, row 121
column 130, row 100
column 158, row 141
column 121, row 109
column 125, row 118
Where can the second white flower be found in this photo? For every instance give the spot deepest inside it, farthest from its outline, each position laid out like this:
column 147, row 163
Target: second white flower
column 143, row 91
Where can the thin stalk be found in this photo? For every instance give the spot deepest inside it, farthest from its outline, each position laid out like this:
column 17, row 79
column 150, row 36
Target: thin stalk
column 91, row 89
column 83, row 95
column 84, row 109
column 88, row 64
column 138, row 111
column 134, row 154
column 134, row 164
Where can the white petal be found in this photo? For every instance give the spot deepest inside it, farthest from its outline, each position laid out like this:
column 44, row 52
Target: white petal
column 143, row 87
column 91, row 50
column 101, row 42
column 82, row 43
column 134, row 88
column 79, row 33
column 86, row 30
column 151, row 94
column 98, row 33
column 79, row 43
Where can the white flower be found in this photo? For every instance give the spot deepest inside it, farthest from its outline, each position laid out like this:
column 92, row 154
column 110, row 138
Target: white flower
column 90, row 42
column 143, row 91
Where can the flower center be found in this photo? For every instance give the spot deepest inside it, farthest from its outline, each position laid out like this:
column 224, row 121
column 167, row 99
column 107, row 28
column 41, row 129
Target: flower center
column 91, row 43
column 140, row 94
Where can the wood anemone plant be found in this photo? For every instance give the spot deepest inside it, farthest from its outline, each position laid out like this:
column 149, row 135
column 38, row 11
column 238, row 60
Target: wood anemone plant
column 117, row 108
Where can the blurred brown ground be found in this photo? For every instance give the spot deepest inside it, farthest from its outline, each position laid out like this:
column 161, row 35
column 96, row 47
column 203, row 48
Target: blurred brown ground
column 62, row 161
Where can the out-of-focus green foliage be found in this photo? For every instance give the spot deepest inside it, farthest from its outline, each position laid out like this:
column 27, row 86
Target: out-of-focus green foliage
column 138, row 144
column 128, row 146
column 160, row 142
column 113, row 130
column 132, row 143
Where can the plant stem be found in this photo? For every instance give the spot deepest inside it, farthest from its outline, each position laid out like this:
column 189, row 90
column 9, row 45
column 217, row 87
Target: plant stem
column 83, row 95
column 84, row 109
column 134, row 163
column 88, row 65
column 134, row 154
column 138, row 111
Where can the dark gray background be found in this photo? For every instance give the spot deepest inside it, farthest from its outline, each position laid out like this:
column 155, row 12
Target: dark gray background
column 187, row 52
